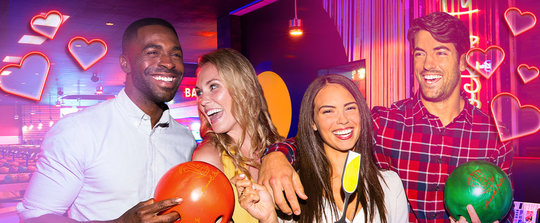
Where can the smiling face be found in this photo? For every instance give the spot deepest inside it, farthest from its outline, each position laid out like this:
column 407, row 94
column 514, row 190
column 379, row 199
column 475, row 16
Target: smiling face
column 153, row 64
column 337, row 117
column 437, row 67
column 215, row 102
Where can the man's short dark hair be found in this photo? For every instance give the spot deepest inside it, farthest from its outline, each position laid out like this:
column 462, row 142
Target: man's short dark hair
column 131, row 30
column 444, row 28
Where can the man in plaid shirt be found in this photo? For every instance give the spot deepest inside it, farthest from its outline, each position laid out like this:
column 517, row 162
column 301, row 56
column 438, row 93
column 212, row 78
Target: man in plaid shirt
column 425, row 137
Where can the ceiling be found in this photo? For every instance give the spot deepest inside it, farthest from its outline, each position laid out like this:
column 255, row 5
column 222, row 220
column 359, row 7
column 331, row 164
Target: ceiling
column 195, row 21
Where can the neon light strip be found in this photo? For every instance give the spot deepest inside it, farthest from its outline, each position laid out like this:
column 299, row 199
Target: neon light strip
column 465, row 4
column 468, row 3
column 251, row 7
column 464, row 13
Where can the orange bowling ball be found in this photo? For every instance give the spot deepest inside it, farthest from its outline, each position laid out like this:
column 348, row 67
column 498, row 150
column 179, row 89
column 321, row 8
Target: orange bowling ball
column 206, row 192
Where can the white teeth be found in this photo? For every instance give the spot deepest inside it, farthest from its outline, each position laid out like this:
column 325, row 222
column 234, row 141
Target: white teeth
column 432, row 77
column 342, row 132
column 161, row 78
column 213, row 111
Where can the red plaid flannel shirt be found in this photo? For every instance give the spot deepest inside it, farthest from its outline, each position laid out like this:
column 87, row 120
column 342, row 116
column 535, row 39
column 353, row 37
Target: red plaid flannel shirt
column 415, row 144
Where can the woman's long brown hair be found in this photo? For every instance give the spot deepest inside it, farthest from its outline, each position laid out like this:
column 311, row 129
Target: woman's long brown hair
column 315, row 169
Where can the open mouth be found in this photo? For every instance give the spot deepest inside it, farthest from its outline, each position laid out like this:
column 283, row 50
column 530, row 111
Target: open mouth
column 214, row 114
column 432, row 79
column 343, row 133
column 165, row 81
column 164, row 78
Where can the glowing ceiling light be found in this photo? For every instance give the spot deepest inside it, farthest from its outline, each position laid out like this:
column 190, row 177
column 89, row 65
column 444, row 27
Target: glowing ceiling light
column 109, row 23
column 11, row 59
column 295, row 25
column 31, row 39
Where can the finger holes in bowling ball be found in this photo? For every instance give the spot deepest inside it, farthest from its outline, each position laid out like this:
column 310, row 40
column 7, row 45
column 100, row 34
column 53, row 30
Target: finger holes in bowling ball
column 218, row 220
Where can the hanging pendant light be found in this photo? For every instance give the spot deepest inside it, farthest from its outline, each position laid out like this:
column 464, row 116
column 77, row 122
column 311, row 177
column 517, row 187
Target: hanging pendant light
column 295, row 25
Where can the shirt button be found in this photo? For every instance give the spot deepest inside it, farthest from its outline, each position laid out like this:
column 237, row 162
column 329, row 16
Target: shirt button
column 435, row 215
column 437, row 188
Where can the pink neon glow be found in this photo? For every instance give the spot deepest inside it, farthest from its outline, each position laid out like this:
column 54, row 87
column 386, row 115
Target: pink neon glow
column 524, row 119
column 474, row 40
column 464, row 13
column 519, row 22
column 48, row 24
column 88, row 53
column 527, row 73
column 485, row 62
column 25, row 91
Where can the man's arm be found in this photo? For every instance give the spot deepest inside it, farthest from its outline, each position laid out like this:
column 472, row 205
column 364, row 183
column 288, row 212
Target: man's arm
column 59, row 177
column 505, row 157
column 287, row 147
column 382, row 160
column 279, row 177
column 145, row 211
column 505, row 161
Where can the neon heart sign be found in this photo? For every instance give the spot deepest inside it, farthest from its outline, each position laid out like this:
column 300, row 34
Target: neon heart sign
column 510, row 115
column 485, row 62
column 26, row 79
column 527, row 73
column 87, row 53
column 48, row 24
column 519, row 22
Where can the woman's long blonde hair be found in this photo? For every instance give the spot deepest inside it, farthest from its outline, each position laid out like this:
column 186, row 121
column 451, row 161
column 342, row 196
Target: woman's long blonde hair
column 249, row 108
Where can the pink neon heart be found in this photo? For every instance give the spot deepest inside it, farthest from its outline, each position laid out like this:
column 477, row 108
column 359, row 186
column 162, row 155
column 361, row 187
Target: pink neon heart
column 485, row 62
column 519, row 22
column 47, row 25
column 512, row 119
column 26, row 79
column 527, row 73
column 87, row 53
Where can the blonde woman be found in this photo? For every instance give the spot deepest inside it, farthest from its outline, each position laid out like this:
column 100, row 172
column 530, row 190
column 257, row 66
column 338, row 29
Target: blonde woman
column 235, row 121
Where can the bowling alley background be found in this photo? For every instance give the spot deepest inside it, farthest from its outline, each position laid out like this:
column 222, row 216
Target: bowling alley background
column 58, row 57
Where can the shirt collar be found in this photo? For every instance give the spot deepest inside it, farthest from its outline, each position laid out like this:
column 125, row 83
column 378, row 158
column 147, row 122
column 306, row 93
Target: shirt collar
column 137, row 116
column 420, row 111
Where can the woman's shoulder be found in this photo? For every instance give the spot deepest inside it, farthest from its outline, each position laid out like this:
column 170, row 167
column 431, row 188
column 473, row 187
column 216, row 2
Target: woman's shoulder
column 206, row 151
column 391, row 180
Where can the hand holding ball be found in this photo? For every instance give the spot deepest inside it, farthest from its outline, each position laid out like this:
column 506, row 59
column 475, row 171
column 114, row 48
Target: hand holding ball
column 206, row 192
column 483, row 185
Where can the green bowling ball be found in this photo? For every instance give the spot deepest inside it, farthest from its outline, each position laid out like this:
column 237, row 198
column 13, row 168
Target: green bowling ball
column 483, row 185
